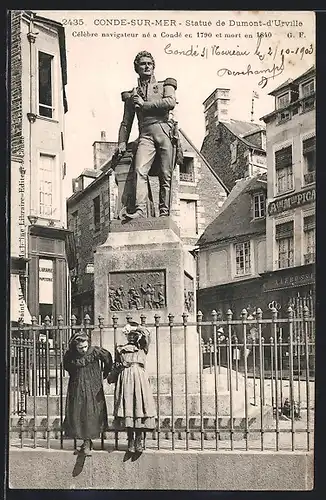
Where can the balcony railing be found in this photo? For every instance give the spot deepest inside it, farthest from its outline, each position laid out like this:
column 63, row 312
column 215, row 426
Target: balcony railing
column 309, row 178
column 309, row 258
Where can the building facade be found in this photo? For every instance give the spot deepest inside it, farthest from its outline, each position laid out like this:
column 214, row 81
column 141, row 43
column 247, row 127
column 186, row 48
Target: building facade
column 39, row 284
column 232, row 251
column 260, row 250
column 235, row 149
column 197, row 195
column 291, row 191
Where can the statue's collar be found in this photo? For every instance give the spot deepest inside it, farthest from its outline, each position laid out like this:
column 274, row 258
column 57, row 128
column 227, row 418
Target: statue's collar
column 152, row 80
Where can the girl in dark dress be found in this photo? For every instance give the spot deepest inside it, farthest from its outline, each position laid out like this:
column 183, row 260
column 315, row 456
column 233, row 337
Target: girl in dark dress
column 86, row 411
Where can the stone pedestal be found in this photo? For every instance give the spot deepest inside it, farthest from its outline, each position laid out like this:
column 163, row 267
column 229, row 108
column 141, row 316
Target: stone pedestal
column 138, row 253
column 149, row 251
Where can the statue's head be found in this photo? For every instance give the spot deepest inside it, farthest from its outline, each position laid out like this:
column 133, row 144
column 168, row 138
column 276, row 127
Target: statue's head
column 144, row 64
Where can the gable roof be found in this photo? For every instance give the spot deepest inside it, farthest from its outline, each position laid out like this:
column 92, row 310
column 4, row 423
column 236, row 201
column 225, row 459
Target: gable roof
column 235, row 218
column 292, row 80
column 242, row 129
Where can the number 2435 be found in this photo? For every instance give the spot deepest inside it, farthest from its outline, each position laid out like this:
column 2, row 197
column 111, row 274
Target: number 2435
column 72, row 22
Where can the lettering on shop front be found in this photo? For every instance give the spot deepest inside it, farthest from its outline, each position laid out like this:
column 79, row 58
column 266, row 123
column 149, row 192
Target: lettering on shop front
column 292, row 201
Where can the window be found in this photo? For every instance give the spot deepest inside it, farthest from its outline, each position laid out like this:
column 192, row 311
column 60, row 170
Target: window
column 45, row 84
column 308, row 88
column 188, row 217
column 283, row 100
column 309, row 159
column 259, row 205
column 233, row 149
column 309, row 239
column 46, row 186
column 242, row 258
column 187, row 170
column 97, row 213
column 284, row 116
column 285, row 243
column 284, row 171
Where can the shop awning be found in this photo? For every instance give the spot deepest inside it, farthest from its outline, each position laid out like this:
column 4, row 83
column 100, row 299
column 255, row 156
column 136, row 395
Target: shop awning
column 18, row 307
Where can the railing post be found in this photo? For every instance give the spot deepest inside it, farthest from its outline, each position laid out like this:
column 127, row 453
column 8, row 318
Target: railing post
column 171, row 322
column 143, row 319
column 158, row 371
column 143, row 323
column 277, row 411
column 115, row 326
column 185, row 323
column 290, row 317
column 217, row 432
column 307, row 369
column 73, row 321
column 47, row 323
column 244, row 315
column 199, row 329
column 60, row 328
column 101, row 327
column 259, row 317
column 87, row 322
column 34, row 323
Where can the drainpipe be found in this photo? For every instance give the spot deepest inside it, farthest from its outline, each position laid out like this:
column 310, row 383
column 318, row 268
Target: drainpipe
column 31, row 36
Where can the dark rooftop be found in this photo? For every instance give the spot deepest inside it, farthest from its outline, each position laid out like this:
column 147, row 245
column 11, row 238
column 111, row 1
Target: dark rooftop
column 235, row 218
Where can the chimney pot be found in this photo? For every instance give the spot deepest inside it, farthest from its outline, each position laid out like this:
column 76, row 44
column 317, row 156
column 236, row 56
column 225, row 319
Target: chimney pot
column 103, row 136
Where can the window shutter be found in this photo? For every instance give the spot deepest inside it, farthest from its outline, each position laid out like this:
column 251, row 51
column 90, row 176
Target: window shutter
column 284, row 230
column 309, row 222
column 309, row 145
column 283, row 158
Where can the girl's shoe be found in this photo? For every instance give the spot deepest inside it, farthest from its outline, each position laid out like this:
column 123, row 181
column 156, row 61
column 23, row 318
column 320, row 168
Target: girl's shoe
column 131, row 445
column 138, row 444
column 86, row 448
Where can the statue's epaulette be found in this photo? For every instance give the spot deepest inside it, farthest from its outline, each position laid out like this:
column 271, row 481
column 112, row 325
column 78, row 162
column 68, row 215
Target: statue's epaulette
column 125, row 95
column 171, row 81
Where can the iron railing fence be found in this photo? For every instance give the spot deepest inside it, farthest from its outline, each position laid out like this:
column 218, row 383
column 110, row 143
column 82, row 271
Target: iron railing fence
column 255, row 379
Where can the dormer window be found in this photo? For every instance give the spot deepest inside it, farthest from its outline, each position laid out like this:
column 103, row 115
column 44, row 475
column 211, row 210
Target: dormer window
column 283, row 100
column 308, row 88
column 259, row 205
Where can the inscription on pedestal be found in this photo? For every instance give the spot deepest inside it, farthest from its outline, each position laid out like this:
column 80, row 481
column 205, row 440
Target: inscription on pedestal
column 137, row 290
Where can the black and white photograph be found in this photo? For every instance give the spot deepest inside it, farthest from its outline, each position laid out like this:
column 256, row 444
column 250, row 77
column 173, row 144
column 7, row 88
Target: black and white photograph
column 162, row 250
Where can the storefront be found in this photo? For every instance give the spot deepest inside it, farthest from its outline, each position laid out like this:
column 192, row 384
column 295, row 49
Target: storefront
column 48, row 273
column 293, row 286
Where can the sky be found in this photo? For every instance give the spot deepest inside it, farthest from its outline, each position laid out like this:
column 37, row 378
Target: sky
column 101, row 67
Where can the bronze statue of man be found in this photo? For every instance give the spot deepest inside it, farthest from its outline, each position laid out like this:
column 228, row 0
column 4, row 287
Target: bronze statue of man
column 152, row 102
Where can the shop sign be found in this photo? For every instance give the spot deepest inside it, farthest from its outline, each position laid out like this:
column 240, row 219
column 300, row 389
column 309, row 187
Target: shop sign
column 290, row 281
column 45, row 281
column 292, row 201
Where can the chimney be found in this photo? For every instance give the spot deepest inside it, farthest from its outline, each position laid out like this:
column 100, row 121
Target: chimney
column 216, row 107
column 102, row 151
